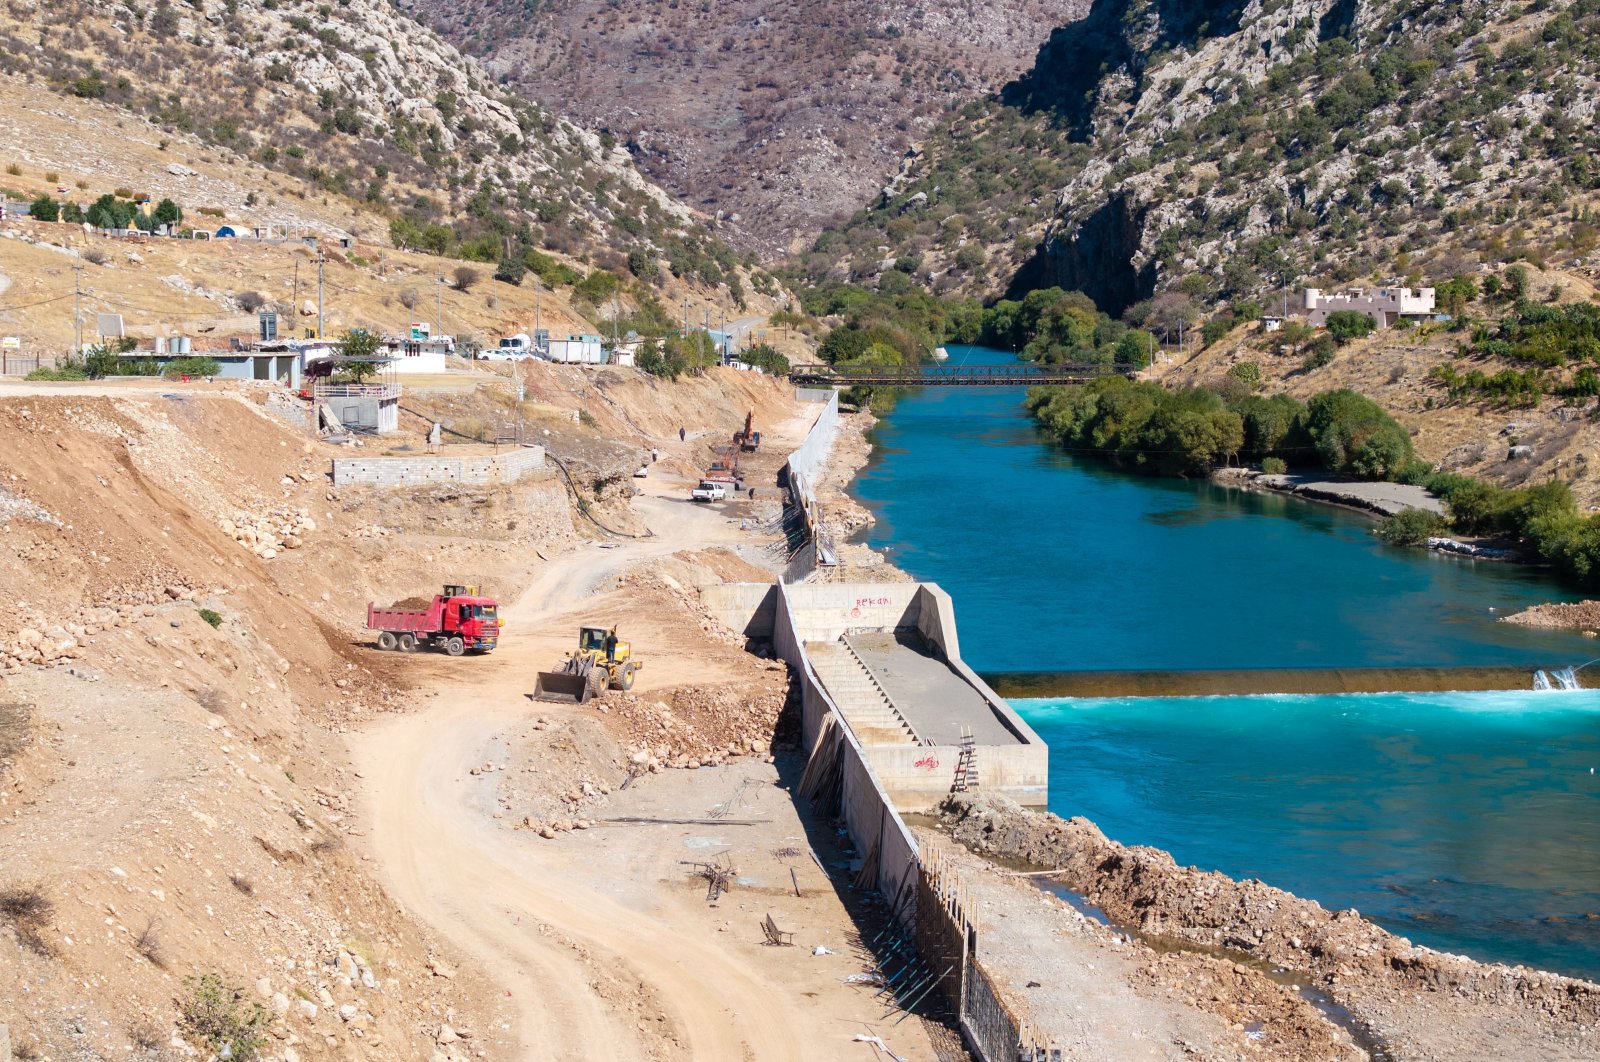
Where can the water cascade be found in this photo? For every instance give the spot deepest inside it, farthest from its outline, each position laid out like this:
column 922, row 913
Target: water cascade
column 1565, row 678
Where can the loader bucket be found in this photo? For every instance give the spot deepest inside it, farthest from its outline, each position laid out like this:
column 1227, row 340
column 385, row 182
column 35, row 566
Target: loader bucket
column 562, row 687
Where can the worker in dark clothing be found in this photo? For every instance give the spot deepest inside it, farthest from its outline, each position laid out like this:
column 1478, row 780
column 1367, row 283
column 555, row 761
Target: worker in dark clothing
column 611, row 645
column 682, row 435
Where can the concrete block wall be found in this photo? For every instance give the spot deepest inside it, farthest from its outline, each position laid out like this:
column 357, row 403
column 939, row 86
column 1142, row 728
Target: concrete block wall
column 410, row 471
column 825, row 611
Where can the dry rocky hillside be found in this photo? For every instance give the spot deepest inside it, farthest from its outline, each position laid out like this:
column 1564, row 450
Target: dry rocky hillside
column 1513, row 442
column 359, row 103
column 183, row 662
column 1235, row 143
column 778, row 118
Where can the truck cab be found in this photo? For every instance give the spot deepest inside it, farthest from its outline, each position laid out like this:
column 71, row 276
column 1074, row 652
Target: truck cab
column 475, row 619
column 710, row 490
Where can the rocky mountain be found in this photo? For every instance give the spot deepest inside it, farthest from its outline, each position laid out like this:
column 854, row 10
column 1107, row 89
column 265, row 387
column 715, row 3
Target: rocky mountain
column 363, row 103
column 775, row 117
column 1239, row 147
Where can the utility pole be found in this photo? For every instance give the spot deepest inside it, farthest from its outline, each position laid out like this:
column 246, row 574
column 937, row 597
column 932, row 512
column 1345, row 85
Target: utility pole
column 438, row 320
column 77, row 304
column 321, row 333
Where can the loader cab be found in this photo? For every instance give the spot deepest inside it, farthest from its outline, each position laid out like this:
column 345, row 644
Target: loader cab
column 592, row 639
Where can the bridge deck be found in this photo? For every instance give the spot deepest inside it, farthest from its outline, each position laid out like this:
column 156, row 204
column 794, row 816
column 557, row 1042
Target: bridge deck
column 1024, row 375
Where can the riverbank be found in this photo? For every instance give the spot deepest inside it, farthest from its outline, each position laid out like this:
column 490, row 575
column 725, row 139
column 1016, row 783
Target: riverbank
column 1259, row 1009
column 1377, row 497
column 1581, row 616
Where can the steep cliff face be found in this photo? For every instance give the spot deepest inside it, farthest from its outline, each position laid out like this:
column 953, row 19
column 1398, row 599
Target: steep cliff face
column 775, row 117
column 1118, row 37
column 1241, row 143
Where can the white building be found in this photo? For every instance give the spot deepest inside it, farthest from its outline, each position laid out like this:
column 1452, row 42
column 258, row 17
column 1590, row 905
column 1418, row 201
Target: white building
column 418, row 354
column 1384, row 305
column 578, row 350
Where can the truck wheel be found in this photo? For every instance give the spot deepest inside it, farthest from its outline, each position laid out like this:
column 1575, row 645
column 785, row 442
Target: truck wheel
column 624, row 679
column 455, row 646
column 407, row 642
column 387, row 640
column 598, row 677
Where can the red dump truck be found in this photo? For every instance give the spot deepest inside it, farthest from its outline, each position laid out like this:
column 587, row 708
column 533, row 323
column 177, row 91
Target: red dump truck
column 458, row 620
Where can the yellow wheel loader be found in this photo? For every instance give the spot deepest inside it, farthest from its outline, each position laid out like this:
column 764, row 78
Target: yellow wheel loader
column 600, row 662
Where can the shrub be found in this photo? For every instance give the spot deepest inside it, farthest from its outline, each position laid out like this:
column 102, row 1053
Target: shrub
column 1354, row 436
column 408, row 298
column 191, row 367
column 30, row 911
column 1247, row 373
column 44, row 209
column 1347, row 325
column 1411, row 527
column 511, row 270
column 1320, row 353
column 1274, row 466
column 68, row 370
column 250, row 301
column 211, row 616
column 215, row 1016
column 465, row 277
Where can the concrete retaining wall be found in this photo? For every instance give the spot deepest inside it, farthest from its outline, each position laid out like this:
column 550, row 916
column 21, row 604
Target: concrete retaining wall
column 945, row 940
column 749, row 608
column 409, row 471
column 865, row 807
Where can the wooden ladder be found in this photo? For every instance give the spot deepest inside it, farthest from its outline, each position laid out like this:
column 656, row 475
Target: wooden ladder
column 967, row 762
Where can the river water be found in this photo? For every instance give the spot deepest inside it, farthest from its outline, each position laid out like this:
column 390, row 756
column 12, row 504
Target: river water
column 1464, row 821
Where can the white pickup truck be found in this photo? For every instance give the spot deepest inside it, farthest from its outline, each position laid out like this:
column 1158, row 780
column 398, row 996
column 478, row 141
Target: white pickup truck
column 710, row 490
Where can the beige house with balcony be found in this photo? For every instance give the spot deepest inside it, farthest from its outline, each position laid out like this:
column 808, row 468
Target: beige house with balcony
column 1384, row 305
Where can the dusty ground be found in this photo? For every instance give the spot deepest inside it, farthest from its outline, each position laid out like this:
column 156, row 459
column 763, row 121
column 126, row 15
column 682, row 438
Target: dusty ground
column 618, row 954
column 174, row 788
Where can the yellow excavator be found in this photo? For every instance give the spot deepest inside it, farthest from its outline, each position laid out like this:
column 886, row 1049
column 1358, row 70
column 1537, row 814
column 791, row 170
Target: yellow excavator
column 600, row 662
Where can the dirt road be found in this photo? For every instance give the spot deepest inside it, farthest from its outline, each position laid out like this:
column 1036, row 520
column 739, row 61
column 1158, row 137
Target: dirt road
column 591, row 969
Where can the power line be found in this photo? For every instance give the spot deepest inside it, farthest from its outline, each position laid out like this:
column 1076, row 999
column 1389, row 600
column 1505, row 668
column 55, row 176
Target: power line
column 41, row 302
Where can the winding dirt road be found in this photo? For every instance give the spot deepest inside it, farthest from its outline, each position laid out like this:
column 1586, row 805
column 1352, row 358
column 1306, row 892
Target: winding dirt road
column 588, row 976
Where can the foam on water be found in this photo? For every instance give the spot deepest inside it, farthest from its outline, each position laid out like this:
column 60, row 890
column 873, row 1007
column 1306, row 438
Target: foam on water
column 1466, row 821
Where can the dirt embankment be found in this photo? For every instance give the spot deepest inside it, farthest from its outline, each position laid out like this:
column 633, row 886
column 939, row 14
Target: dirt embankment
column 174, row 782
column 1578, row 616
column 1422, row 1003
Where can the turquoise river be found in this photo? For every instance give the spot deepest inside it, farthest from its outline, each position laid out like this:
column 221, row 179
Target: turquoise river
column 1469, row 822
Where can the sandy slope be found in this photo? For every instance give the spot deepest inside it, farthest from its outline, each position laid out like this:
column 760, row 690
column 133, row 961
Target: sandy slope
column 594, row 965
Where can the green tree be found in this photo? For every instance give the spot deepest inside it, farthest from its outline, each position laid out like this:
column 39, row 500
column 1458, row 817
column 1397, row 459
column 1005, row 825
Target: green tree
column 1517, row 282
column 167, row 213
column 359, row 343
column 44, row 209
column 1455, row 293
column 72, row 212
column 1354, row 436
column 1347, row 325
column 511, row 270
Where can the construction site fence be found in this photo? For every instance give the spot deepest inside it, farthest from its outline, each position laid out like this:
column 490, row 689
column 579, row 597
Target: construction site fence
column 947, row 935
